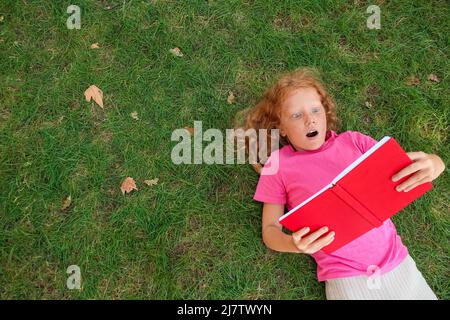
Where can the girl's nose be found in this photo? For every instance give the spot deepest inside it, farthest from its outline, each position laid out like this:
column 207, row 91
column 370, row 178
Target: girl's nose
column 309, row 120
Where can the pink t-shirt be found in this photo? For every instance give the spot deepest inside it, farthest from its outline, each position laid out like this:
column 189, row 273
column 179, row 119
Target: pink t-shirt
column 302, row 173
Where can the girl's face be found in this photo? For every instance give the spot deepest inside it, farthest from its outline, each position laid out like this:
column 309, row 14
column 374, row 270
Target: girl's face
column 303, row 119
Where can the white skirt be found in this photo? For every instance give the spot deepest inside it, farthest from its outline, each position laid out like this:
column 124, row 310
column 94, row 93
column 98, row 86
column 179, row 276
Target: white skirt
column 404, row 282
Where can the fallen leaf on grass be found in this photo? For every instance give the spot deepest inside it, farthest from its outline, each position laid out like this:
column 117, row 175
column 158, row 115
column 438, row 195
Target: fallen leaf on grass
column 412, row 81
column 190, row 130
column 112, row 191
column 368, row 104
column 95, row 46
column 342, row 41
column 134, row 115
column 230, row 98
column 66, row 204
column 128, row 185
column 176, row 52
column 151, row 182
column 434, row 78
column 93, row 92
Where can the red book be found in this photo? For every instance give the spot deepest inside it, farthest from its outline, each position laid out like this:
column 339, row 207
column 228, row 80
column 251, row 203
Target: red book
column 360, row 198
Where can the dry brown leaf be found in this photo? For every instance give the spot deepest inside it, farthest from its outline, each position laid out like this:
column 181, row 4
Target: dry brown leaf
column 95, row 46
column 434, row 78
column 368, row 104
column 176, row 52
column 278, row 23
column 342, row 41
column 412, row 81
column 190, row 130
column 93, row 92
column 257, row 167
column 128, row 185
column 66, row 204
column 151, row 182
column 230, row 98
column 112, row 191
column 134, row 115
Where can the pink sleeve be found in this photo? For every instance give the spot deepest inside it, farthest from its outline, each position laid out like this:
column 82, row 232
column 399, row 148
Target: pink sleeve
column 362, row 141
column 270, row 188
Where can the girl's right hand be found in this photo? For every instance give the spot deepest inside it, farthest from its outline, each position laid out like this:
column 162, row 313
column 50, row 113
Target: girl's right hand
column 311, row 244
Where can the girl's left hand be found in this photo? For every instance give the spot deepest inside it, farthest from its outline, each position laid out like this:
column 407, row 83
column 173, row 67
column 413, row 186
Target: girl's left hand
column 427, row 167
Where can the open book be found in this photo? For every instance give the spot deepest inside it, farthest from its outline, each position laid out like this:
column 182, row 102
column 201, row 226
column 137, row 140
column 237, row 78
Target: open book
column 360, row 198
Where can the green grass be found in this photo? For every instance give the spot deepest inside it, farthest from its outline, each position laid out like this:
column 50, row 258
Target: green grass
column 196, row 234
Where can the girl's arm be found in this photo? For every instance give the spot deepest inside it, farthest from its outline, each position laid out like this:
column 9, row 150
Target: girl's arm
column 427, row 167
column 272, row 231
column 274, row 237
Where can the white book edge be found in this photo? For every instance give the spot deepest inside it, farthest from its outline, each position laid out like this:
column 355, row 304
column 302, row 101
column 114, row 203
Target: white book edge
column 340, row 175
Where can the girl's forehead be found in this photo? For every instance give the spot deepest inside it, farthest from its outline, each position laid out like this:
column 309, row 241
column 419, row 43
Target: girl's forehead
column 301, row 97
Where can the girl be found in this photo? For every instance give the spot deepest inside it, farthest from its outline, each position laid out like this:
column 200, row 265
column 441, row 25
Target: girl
column 312, row 154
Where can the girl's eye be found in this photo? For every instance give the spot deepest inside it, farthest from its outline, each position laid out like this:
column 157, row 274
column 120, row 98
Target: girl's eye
column 316, row 110
column 296, row 115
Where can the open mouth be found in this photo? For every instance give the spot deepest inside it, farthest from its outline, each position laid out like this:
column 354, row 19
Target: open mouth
column 312, row 133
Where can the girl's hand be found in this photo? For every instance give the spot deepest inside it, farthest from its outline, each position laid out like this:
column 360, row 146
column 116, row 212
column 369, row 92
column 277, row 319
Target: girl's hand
column 427, row 167
column 310, row 244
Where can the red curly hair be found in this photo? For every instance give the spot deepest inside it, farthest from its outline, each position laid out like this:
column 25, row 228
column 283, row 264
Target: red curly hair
column 266, row 114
